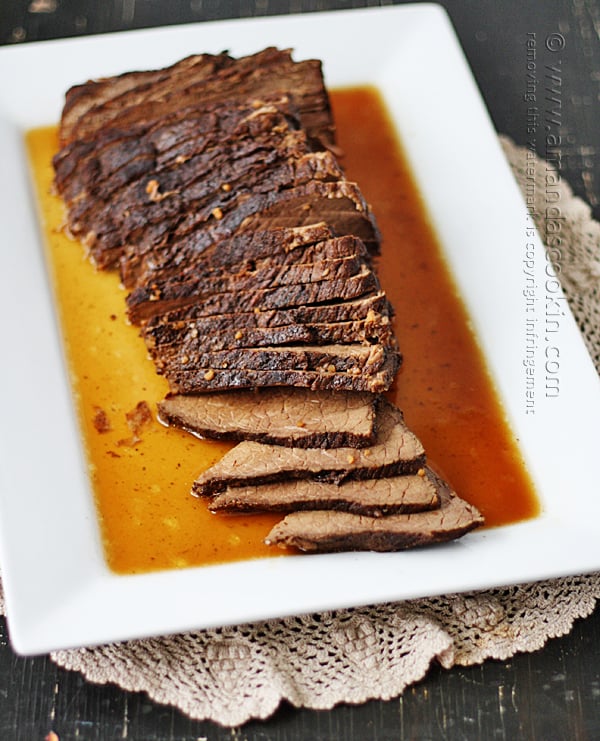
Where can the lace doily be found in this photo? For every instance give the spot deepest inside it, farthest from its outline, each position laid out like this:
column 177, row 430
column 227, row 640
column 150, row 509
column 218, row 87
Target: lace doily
column 232, row 674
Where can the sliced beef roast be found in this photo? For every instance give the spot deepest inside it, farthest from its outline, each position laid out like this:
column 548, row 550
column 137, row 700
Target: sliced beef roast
column 160, row 198
column 179, row 335
column 292, row 417
column 202, row 379
column 396, row 451
column 220, row 215
column 243, row 246
column 214, row 188
column 145, row 97
column 272, row 261
column 279, row 266
column 327, row 530
column 173, row 292
column 261, row 299
column 356, row 360
column 366, row 308
column 373, row 497
column 116, row 157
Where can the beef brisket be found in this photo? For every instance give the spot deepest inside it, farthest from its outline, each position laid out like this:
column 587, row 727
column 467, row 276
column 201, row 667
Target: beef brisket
column 242, row 163
column 271, row 275
column 186, row 338
column 339, row 204
column 373, row 497
column 249, row 251
column 327, row 530
column 108, row 202
column 335, row 203
column 364, row 308
column 248, row 245
column 243, row 246
column 84, row 100
column 179, row 336
column 102, row 164
column 292, row 417
column 159, row 278
column 396, row 451
column 118, row 213
column 213, row 186
column 263, row 299
column 123, row 101
column 364, row 360
column 202, row 379
column 179, row 226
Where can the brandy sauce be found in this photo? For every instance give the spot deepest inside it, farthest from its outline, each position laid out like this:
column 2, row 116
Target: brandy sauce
column 147, row 516
column 141, row 478
column 443, row 387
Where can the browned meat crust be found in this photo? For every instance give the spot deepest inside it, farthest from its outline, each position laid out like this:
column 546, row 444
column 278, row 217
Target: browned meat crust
column 213, row 185
column 119, row 102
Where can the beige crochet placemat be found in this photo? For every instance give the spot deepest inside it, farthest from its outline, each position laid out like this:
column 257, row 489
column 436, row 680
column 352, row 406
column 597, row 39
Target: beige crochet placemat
column 233, row 674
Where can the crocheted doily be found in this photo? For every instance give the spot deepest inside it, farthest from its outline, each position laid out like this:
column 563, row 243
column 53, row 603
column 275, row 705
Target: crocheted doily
column 232, row 674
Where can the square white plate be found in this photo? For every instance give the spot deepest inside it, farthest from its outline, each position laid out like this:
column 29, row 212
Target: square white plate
column 59, row 591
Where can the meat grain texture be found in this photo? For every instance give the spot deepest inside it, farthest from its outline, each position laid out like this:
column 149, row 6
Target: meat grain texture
column 290, row 417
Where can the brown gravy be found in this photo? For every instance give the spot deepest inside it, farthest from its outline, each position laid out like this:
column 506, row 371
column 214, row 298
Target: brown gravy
column 148, row 519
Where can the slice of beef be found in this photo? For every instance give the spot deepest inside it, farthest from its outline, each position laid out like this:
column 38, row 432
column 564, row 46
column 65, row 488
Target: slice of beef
column 100, row 165
column 277, row 266
column 253, row 183
column 373, row 497
column 364, row 308
column 187, row 131
column 268, row 286
column 243, row 246
column 219, row 157
column 151, row 188
column 282, row 297
column 81, row 167
column 338, row 204
column 202, row 380
column 260, row 244
column 326, row 531
column 200, row 80
column 352, row 360
column 267, row 274
column 174, row 223
column 116, row 210
column 305, row 203
column 396, row 451
column 316, row 262
column 161, row 295
column 292, row 417
column 171, row 337
column 271, row 275
column 82, row 99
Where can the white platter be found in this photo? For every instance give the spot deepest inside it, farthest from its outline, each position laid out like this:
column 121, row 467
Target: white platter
column 59, row 591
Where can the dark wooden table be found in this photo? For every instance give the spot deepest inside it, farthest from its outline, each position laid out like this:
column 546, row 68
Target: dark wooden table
column 551, row 695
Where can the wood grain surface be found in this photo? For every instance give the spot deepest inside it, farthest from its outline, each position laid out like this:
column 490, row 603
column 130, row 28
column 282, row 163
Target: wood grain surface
column 550, row 695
